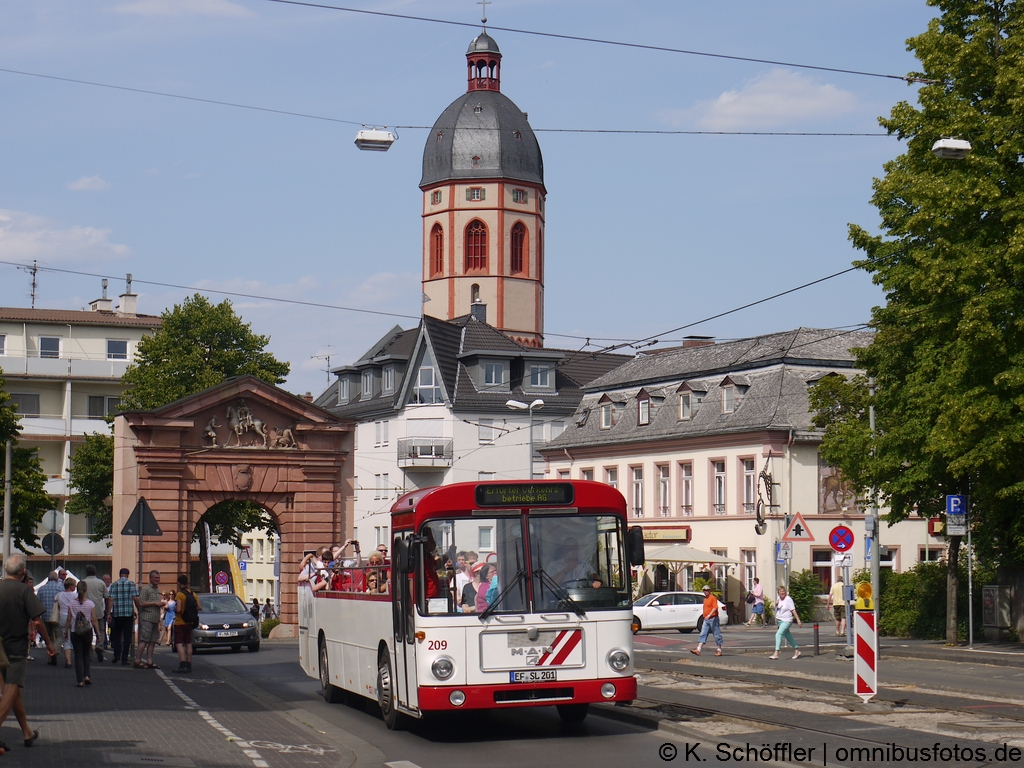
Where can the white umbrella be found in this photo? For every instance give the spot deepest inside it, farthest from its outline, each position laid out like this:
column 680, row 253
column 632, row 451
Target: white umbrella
column 679, row 553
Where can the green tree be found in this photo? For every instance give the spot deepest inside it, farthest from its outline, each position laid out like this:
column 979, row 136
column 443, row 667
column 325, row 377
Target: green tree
column 804, row 587
column 29, row 502
column 92, row 477
column 199, row 345
column 948, row 355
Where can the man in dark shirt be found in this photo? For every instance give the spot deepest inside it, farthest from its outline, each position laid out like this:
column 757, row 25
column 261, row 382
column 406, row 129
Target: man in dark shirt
column 19, row 606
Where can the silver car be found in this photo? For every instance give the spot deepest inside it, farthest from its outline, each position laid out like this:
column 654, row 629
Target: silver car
column 225, row 622
column 673, row 610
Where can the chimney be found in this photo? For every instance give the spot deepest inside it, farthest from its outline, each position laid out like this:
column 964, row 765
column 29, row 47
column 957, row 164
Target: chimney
column 698, row 341
column 129, row 301
column 104, row 304
column 478, row 311
column 308, row 397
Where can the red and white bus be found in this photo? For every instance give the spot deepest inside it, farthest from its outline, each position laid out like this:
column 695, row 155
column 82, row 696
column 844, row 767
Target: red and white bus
column 552, row 625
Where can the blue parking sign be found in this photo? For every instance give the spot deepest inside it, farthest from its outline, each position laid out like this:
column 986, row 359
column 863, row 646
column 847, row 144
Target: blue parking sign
column 956, row 505
column 241, row 565
column 956, row 515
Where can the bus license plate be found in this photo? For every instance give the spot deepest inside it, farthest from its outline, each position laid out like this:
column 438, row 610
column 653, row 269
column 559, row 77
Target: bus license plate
column 232, row 633
column 533, row 676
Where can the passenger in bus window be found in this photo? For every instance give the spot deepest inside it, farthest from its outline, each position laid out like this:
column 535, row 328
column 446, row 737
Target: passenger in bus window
column 472, row 588
column 462, row 577
column 485, row 574
column 471, row 558
column 431, row 564
column 374, row 586
column 493, row 589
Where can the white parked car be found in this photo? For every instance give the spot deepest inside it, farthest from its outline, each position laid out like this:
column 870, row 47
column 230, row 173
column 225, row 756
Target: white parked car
column 673, row 610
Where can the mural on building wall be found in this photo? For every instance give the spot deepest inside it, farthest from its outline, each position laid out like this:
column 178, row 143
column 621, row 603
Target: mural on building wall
column 247, row 430
column 834, row 494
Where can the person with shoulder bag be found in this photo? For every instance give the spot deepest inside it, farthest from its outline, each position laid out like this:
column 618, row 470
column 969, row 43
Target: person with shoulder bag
column 186, row 616
column 81, row 622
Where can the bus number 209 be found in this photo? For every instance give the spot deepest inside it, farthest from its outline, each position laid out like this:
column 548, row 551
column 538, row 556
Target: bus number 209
column 437, row 645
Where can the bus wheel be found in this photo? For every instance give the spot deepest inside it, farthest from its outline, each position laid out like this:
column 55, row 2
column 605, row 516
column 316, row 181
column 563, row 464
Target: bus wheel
column 331, row 693
column 572, row 713
column 386, row 694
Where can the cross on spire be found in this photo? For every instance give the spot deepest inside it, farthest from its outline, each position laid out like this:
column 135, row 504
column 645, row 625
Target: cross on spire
column 483, row 12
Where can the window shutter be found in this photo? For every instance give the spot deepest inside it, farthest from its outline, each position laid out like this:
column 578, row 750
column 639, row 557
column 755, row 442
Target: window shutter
column 468, row 191
column 483, row 193
column 526, row 196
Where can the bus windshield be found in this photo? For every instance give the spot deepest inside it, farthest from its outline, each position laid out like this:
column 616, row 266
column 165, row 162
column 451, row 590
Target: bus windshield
column 480, row 564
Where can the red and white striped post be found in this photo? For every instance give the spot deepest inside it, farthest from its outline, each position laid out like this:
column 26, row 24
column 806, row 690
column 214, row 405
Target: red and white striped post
column 865, row 657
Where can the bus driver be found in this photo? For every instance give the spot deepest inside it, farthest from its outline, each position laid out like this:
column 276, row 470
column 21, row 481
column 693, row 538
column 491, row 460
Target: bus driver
column 569, row 571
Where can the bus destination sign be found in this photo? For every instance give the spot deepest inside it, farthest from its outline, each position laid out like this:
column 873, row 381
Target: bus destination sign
column 524, row 494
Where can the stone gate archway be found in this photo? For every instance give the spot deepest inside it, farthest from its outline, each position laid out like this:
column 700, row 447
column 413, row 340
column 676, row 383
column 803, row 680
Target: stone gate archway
column 243, row 439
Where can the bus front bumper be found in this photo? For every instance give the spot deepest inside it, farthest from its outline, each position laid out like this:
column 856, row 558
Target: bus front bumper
column 443, row 698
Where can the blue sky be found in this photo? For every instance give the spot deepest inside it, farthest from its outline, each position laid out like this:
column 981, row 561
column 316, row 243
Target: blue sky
column 644, row 233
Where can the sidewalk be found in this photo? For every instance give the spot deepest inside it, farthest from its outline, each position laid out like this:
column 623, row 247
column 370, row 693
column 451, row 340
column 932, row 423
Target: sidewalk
column 136, row 717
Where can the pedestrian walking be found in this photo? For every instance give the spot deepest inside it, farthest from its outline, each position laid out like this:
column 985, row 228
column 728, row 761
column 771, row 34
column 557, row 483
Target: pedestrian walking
column 48, row 596
column 839, row 606
column 98, row 595
column 19, row 606
column 106, row 612
column 785, row 614
column 122, row 594
column 148, row 602
column 711, row 623
column 186, row 614
column 64, row 600
column 268, row 610
column 757, row 607
column 81, row 623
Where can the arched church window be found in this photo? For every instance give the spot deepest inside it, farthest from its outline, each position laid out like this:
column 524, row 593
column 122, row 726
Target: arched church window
column 436, row 250
column 476, row 246
column 474, row 293
column 518, row 247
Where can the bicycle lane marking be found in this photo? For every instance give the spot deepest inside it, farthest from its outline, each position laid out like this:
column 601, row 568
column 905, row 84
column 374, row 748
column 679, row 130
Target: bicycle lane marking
column 246, row 747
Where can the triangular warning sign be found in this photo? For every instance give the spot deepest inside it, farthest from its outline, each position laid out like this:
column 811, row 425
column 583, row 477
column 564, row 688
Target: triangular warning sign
column 141, row 522
column 798, row 530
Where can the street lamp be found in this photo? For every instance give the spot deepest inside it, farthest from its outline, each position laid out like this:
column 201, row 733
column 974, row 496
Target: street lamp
column 517, row 405
column 951, row 149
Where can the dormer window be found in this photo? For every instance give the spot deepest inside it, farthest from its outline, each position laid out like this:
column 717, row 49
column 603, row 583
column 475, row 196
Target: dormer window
column 728, row 398
column 367, row 384
column 476, row 161
column 685, row 406
column 539, row 375
column 389, row 379
column 494, row 373
column 477, row 110
column 343, row 391
column 643, row 405
column 606, row 416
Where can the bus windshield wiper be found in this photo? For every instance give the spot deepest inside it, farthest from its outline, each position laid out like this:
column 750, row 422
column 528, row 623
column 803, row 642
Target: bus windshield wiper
column 520, row 574
column 560, row 592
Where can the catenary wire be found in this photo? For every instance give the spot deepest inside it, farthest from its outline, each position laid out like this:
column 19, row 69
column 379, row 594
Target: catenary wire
column 617, row 43
column 309, row 116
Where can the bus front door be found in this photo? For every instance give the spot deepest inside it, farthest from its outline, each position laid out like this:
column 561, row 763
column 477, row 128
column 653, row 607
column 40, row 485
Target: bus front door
column 404, row 617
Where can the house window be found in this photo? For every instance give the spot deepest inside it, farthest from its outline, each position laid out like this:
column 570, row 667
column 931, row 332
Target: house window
column 539, row 375
column 664, row 492
column 685, row 411
column 563, row 474
column 606, row 416
column 343, row 390
column 484, row 476
column 518, row 242
column 435, row 197
column 719, row 487
column 49, row 346
column 728, row 399
column 821, row 564
column 749, row 559
column 643, row 411
column 380, row 433
column 27, row 404
column 611, row 477
column 380, row 536
column 476, row 246
column 475, row 193
column 520, row 196
column 117, row 349
column 485, row 431
column 436, row 250
column 3, row 345
column 686, row 489
column 377, row 486
column 427, row 389
column 586, row 474
column 557, row 428
column 931, row 554
column 494, row 373
column 100, row 407
column 389, row 379
column 367, row 384
column 720, row 572
column 485, row 537
column 749, row 487
column 638, row 492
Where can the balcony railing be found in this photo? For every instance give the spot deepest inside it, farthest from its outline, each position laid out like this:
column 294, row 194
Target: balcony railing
column 424, row 452
column 719, row 509
column 687, row 510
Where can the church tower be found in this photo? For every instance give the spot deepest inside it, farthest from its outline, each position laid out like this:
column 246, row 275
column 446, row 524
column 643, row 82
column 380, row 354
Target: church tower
column 483, row 207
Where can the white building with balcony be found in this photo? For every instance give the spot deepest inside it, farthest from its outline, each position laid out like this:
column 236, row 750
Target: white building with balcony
column 63, row 369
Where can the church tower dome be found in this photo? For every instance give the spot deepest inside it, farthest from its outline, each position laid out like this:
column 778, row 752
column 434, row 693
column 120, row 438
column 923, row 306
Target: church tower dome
column 483, row 207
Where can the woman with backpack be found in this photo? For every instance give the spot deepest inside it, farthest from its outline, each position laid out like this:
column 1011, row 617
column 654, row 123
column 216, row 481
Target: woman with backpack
column 81, row 623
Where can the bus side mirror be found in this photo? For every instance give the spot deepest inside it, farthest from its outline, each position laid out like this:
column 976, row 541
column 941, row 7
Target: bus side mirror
column 403, row 556
column 635, row 545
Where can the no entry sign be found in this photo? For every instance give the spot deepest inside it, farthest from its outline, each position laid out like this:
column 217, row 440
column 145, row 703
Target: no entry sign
column 841, row 539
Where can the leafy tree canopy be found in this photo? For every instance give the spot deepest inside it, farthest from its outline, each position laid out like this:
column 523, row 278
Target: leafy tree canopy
column 948, row 356
column 92, row 478
column 199, row 345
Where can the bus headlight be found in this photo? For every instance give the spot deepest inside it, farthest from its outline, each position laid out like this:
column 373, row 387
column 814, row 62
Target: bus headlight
column 457, row 698
column 608, row 690
column 443, row 668
column 618, row 660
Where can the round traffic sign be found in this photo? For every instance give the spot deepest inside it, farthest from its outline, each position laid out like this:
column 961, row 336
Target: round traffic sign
column 53, row 520
column 221, row 578
column 841, row 539
column 53, row 543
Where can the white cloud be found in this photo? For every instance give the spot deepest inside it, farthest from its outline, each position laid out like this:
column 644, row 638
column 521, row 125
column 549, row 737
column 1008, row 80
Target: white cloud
column 778, row 98
column 222, row 8
column 89, row 184
column 24, row 237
